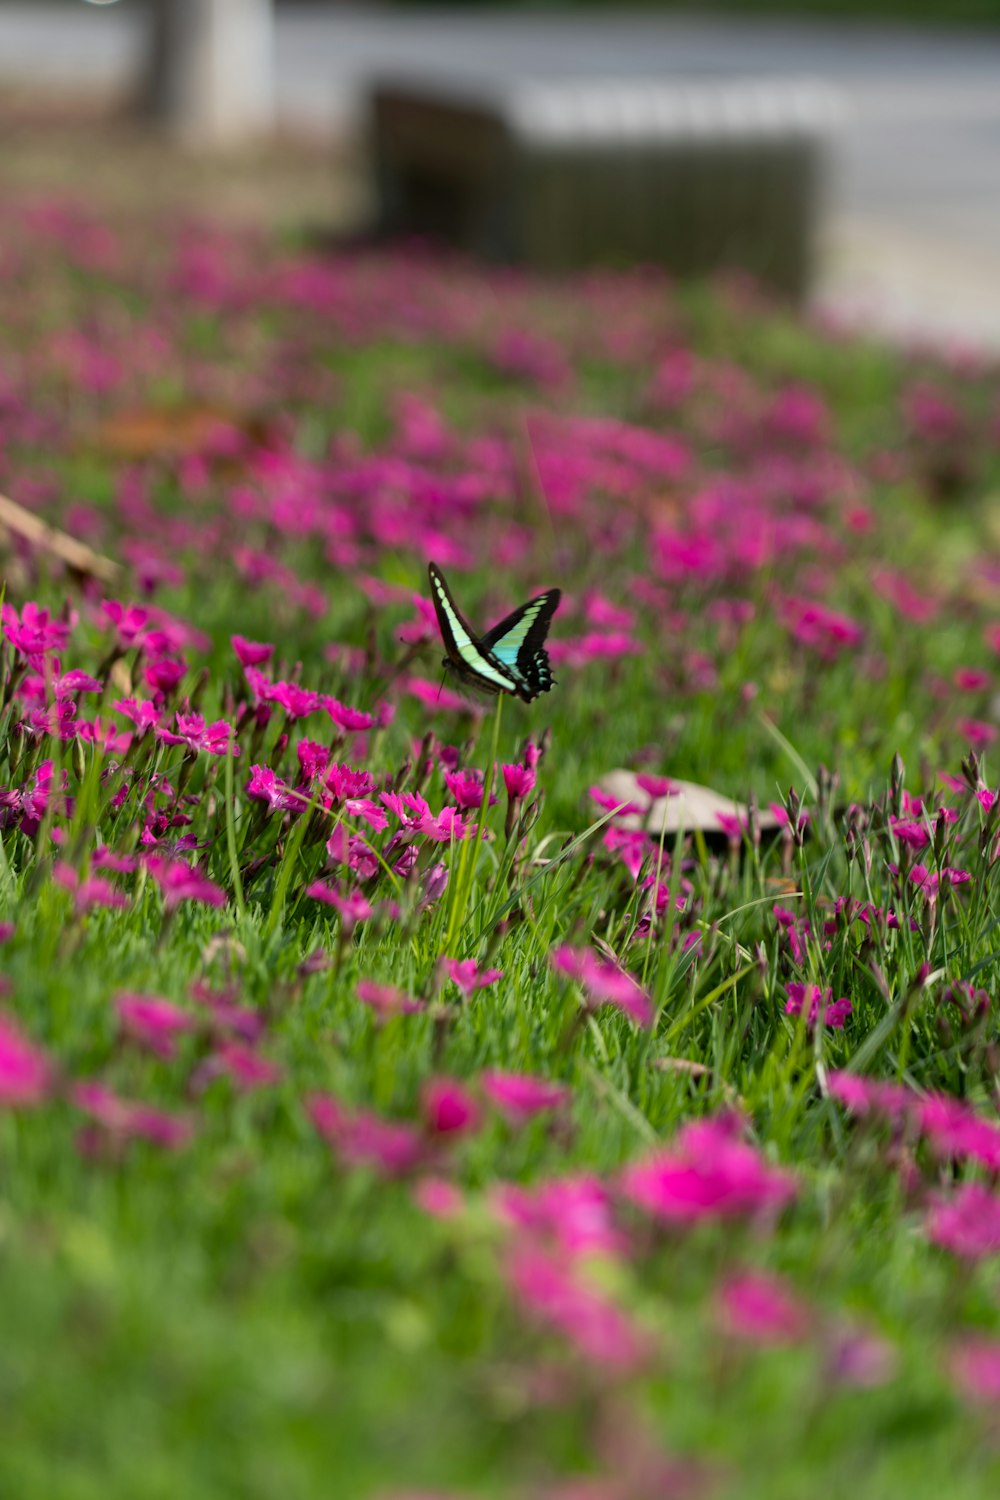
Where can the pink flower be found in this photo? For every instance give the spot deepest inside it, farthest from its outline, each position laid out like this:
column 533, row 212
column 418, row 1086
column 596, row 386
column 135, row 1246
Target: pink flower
column 863, row 1096
column 59, row 721
column 350, row 849
column 34, row 632
column 521, row 1095
column 386, row 1000
column 859, row 1358
column 298, row 702
column 180, row 882
column 261, row 690
column 448, row 1108
column 952, row 1127
column 266, row 786
column 446, row 828
column 106, row 859
column 823, row 629
column 710, row 1173
column 87, row 893
column 574, row 1213
column 423, row 626
column 631, row 847
column 313, row 759
column 616, row 805
column 433, row 885
column 354, row 906
column 125, row 1120
column 28, row 805
column 978, row 733
column 153, row 1022
column 975, row 1369
column 346, row 785
column 246, row 1068
column 467, row 789
column 365, row 1139
column 967, row 1223
column 250, row 653
column 657, row 786
column 468, row 976
column 793, row 929
column 164, row 675
column 756, row 1306
column 548, row 1289
column 956, row 1131
column 191, row 730
column 415, row 814
column 913, row 605
column 970, row 679
column 172, row 634
column 129, row 621
column 143, row 713
column 435, row 695
column 64, row 685
column 909, row 832
column 408, row 807
column 353, row 720
column 733, row 825
column 519, row 782
column 438, row 1198
column 380, row 593
column 821, row 1008
column 931, row 881
column 528, row 355
column 932, row 413
column 227, row 1016
column 595, row 646
column 605, row 615
column 604, row 982
column 25, row 1073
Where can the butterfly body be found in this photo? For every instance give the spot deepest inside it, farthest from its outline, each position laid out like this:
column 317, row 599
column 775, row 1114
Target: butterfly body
column 510, row 657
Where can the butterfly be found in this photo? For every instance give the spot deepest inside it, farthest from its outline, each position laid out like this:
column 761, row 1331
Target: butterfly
column 510, row 657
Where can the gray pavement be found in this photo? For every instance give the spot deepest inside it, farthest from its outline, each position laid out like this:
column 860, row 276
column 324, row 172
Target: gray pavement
column 912, row 239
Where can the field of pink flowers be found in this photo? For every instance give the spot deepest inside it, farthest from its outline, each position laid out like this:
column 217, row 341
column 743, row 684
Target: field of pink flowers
column 360, row 1139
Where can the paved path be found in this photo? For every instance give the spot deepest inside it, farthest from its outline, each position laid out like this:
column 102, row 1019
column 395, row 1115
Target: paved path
column 913, row 232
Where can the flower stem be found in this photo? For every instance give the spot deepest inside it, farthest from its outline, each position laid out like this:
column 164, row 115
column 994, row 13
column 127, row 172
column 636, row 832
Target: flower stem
column 234, row 863
column 459, row 899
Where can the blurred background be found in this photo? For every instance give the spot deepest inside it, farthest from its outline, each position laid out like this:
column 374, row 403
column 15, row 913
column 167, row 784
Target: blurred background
column 848, row 153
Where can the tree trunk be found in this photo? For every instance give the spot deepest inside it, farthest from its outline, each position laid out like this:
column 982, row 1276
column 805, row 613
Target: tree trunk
column 209, row 71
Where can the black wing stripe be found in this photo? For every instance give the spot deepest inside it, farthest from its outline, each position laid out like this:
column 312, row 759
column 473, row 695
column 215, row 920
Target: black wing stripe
column 464, row 649
column 532, row 663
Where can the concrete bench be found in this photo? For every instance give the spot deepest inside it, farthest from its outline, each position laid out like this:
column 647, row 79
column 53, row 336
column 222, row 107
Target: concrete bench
column 695, row 175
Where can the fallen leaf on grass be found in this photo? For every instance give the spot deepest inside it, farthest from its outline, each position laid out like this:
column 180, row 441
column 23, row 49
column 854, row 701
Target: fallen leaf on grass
column 690, row 808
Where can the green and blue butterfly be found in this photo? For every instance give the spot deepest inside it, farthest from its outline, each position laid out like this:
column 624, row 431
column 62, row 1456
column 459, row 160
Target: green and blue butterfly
column 510, row 657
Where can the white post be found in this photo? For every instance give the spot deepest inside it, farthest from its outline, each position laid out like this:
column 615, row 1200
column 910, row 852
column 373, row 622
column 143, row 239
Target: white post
column 211, row 69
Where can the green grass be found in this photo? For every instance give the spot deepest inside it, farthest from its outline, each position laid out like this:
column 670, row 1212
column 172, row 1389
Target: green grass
column 254, row 1312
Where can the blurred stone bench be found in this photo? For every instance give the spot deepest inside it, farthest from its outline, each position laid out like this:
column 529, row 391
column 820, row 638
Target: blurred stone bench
column 696, row 175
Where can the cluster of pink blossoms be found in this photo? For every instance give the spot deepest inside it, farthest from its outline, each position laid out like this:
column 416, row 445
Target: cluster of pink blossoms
column 723, row 503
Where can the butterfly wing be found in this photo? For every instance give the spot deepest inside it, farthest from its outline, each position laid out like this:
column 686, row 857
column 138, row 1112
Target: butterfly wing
column 517, row 643
column 465, row 651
